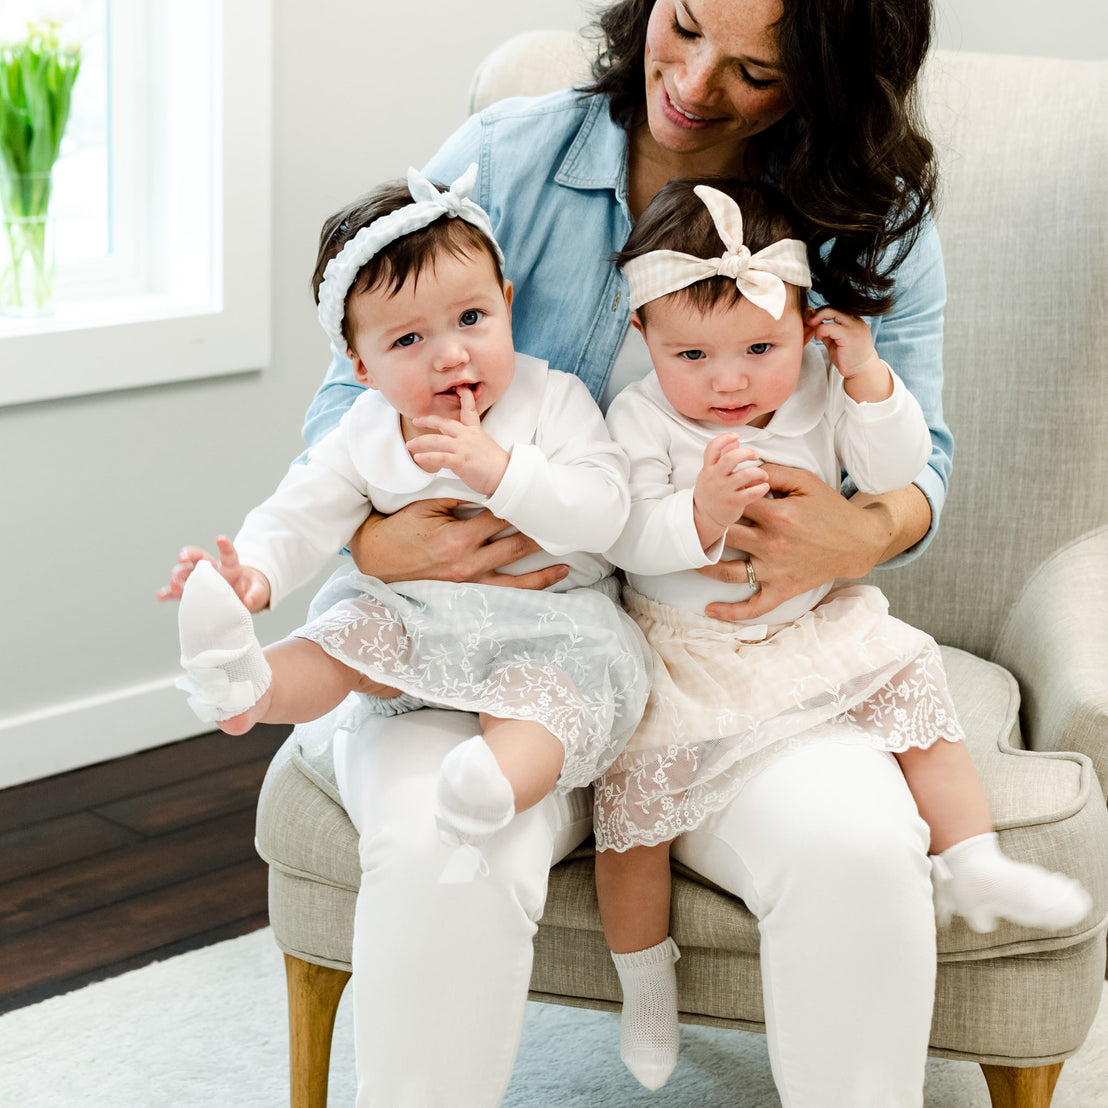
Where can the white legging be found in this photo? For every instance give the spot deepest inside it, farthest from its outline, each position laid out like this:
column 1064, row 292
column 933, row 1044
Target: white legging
column 825, row 846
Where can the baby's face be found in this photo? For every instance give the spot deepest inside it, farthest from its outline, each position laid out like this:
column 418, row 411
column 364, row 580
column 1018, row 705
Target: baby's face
column 447, row 330
column 733, row 365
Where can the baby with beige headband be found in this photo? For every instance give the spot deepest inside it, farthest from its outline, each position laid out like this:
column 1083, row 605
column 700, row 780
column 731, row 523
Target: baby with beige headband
column 718, row 286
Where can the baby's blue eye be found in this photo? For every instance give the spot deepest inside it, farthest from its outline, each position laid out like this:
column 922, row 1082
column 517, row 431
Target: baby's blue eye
column 471, row 316
column 761, row 348
column 691, row 355
column 408, row 339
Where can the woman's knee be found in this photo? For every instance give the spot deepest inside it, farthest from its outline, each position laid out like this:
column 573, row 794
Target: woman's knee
column 838, row 792
column 821, row 818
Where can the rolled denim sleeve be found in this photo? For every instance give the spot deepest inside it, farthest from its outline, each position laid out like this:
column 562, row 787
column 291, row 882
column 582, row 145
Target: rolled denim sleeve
column 910, row 339
column 332, row 399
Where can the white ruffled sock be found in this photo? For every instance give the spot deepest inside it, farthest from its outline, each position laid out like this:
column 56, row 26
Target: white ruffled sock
column 648, row 1032
column 977, row 881
column 473, row 801
column 226, row 670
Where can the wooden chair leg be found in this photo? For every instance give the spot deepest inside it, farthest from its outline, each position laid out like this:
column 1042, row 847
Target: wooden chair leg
column 314, row 993
column 1021, row 1086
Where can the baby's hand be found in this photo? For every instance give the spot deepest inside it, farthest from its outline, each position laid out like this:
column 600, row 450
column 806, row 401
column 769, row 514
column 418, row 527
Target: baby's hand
column 850, row 347
column 462, row 446
column 729, row 481
column 250, row 584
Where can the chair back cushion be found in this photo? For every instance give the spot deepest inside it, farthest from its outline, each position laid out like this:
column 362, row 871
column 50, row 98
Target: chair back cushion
column 1023, row 218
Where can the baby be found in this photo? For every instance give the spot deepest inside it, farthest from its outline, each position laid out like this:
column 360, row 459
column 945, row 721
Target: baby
column 717, row 281
column 409, row 283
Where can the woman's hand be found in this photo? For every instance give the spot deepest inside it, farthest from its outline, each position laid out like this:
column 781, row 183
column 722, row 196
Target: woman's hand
column 809, row 534
column 426, row 540
column 251, row 585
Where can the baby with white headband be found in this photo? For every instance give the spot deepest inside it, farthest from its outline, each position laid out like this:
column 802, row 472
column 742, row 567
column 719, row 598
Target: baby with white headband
column 409, row 284
column 718, row 291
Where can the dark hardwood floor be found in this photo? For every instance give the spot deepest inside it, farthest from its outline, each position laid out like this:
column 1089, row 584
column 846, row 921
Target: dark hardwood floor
column 110, row 867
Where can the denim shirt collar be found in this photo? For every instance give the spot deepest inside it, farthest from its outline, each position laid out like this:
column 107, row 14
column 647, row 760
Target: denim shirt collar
column 597, row 158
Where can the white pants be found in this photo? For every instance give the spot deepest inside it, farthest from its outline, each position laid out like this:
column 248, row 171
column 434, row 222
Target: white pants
column 825, row 846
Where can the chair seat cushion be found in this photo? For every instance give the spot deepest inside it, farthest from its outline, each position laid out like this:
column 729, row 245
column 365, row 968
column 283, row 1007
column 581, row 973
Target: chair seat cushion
column 1039, row 802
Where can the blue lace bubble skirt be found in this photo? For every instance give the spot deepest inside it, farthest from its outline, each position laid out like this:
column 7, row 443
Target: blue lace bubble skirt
column 572, row 661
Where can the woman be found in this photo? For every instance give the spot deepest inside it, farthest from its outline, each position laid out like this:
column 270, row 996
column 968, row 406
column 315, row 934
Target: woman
column 825, row 845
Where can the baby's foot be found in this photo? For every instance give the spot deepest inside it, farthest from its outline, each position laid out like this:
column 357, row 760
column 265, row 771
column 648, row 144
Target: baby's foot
column 648, row 1029
column 474, row 800
column 226, row 672
column 975, row 880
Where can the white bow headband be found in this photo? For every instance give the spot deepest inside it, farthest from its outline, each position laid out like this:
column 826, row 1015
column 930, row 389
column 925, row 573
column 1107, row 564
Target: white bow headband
column 428, row 204
column 760, row 277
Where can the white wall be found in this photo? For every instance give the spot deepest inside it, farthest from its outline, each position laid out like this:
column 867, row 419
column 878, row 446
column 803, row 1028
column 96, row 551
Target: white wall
column 99, row 492
column 1049, row 28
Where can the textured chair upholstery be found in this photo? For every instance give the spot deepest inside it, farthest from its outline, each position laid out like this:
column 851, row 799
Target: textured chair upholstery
column 1015, row 586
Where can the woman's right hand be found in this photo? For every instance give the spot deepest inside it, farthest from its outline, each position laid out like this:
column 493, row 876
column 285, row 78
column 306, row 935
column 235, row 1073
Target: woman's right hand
column 426, row 540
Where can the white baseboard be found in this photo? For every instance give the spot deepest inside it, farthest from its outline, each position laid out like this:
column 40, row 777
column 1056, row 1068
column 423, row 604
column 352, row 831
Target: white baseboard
column 95, row 729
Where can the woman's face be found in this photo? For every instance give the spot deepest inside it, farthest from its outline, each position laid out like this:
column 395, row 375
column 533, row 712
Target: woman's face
column 712, row 73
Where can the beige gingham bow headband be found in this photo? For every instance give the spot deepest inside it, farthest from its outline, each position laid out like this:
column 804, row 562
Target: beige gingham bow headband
column 760, row 277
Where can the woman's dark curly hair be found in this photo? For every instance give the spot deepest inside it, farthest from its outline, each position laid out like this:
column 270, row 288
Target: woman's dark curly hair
column 851, row 156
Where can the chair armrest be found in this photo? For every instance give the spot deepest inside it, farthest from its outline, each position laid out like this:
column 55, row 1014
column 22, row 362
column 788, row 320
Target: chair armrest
column 1055, row 643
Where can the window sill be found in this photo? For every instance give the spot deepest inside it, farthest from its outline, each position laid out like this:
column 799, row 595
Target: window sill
column 130, row 343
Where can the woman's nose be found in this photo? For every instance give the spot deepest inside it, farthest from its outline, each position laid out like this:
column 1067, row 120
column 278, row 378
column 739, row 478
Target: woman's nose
column 696, row 80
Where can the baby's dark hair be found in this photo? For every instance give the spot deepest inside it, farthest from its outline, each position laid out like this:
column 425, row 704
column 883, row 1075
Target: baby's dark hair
column 677, row 219
column 406, row 256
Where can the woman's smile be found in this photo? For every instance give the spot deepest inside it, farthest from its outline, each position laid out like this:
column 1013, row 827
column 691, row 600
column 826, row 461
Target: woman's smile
column 681, row 116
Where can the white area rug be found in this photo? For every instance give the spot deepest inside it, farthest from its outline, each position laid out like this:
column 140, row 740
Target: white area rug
column 207, row 1030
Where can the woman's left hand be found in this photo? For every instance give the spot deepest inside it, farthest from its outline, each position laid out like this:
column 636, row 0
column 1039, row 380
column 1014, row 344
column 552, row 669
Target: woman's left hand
column 809, row 534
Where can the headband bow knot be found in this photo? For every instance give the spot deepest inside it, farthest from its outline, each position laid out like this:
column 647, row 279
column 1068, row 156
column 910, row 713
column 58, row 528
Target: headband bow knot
column 428, row 204
column 760, row 277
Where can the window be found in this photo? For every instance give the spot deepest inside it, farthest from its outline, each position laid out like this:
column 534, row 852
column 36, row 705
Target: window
column 162, row 201
column 80, row 202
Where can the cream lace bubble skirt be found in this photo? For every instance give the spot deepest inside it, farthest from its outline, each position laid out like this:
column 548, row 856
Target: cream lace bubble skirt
column 720, row 706
column 573, row 661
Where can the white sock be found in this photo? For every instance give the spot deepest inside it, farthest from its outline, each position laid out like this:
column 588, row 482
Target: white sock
column 648, row 1030
column 474, row 797
column 227, row 672
column 977, row 881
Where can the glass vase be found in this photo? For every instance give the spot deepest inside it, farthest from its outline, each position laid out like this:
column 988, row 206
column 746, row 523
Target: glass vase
column 26, row 245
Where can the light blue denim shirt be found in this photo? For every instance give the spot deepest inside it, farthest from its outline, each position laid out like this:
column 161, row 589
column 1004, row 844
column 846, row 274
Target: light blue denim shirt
column 552, row 174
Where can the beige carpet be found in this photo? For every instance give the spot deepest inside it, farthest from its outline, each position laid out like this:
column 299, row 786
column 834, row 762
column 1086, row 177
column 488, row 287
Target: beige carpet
column 207, row 1030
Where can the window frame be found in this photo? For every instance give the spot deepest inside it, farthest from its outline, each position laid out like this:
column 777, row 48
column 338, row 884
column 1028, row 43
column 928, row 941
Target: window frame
column 198, row 308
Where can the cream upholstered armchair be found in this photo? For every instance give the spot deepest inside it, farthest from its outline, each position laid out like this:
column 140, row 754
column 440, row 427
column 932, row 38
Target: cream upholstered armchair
column 1015, row 586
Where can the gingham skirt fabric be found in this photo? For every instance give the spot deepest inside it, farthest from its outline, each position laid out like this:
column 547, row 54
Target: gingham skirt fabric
column 720, row 705
column 573, row 661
